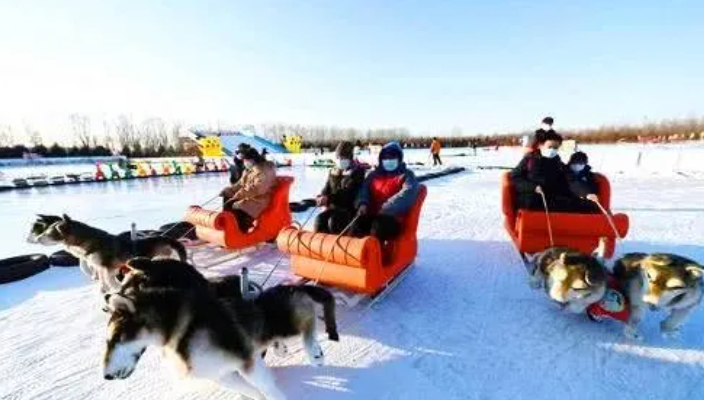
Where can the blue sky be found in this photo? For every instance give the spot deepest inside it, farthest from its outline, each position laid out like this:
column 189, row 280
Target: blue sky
column 430, row 66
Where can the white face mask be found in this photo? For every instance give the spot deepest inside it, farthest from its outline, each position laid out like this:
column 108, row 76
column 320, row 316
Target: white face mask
column 546, row 127
column 548, row 152
column 390, row 164
column 248, row 164
column 577, row 167
column 343, row 163
column 239, row 156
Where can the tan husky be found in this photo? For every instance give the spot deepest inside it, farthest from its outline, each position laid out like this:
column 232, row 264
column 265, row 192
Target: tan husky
column 574, row 280
column 662, row 281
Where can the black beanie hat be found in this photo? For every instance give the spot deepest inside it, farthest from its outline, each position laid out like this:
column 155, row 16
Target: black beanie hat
column 345, row 150
column 578, row 158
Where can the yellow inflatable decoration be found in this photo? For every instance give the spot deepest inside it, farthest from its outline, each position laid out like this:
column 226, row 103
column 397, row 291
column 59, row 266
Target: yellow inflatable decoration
column 210, row 146
column 293, row 143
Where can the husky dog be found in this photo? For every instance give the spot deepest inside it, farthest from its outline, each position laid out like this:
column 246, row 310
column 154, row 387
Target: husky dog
column 573, row 279
column 662, row 281
column 101, row 254
column 167, row 303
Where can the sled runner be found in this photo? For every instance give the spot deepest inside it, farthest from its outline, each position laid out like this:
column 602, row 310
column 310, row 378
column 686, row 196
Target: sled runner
column 220, row 227
column 360, row 265
column 530, row 230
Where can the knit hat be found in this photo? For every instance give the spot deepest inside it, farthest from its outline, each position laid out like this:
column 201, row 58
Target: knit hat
column 578, row 158
column 251, row 154
column 345, row 150
column 241, row 148
column 391, row 150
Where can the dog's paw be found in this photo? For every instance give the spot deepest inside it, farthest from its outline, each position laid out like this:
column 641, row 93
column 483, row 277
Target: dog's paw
column 632, row 333
column 316, row 355
column 669, row 333
column 280, row 349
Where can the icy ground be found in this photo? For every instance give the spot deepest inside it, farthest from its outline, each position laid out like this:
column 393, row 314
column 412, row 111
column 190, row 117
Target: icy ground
column 462, row 325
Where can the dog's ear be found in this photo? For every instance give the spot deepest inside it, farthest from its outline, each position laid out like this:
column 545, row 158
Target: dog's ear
column 560, row 274
column 66, row 218
column 118, row 302
column 695, row 271
column 139, row 263
column 563, row 258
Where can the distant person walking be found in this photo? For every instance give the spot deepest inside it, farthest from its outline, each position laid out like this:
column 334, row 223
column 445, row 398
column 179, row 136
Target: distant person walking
column 435, row 151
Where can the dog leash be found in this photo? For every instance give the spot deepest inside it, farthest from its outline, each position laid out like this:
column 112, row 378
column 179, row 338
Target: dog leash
column 192, row 228
column 332, row 250
column 609, row 219
column 547, row 218
column 300, row 230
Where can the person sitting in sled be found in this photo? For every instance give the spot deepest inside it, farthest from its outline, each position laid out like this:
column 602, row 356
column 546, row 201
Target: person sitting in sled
column 545, row 129
column 542, row 173
column 237, row 167
column 340, row 191
column 387, row 194
column 580, row 177
column 252, row 193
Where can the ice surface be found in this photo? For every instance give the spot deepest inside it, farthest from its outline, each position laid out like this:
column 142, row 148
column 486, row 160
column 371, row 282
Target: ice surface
column 463, row 325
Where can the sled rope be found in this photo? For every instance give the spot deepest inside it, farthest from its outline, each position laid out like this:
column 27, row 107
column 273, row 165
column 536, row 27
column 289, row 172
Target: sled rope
column 609, row 219
column 547, row 218
column 300, row 230
column 337, row 240
column 190, row 230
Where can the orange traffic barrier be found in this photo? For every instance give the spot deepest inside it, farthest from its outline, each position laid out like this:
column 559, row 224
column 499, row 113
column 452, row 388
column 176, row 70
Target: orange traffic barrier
column 355, row 264
column 529, row 228
column 221, row 227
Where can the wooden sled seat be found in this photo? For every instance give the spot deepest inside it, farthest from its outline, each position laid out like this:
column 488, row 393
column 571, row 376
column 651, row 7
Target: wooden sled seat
column 529, row 230
column 221, row 227
column 355, row 264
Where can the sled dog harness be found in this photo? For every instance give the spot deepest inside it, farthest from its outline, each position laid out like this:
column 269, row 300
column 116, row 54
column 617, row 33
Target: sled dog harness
column 613, row 305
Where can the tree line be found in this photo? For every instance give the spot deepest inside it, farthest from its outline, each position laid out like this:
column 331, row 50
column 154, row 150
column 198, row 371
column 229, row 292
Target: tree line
column 155, row 137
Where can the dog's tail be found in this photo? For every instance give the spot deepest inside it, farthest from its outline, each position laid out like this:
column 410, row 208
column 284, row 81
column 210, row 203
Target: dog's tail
column 325, row 298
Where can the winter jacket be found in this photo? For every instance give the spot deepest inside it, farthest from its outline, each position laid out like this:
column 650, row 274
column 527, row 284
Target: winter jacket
column 236, row 170
column 435, row 147
column 343, row 187
column 252, row 193
column 389, row 193
column 535, row 170
column 583, row 182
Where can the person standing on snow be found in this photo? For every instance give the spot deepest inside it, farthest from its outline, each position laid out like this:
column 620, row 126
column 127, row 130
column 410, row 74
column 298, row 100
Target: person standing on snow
column 435, row 151
column 542, row 173
column 387, row 194
column 340, row 191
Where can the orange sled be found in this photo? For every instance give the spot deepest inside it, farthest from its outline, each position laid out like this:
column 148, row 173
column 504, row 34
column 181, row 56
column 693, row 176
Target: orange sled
column 352, row 263
column 529, row 231
column 221, row 227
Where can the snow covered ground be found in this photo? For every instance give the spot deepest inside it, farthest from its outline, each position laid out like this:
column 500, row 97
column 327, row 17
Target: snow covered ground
column 462, row 325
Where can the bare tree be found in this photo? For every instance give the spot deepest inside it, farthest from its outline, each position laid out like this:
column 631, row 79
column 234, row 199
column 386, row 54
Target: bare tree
column 80, row 124
column 125, row 133
column 7, row 138
column 33, row 136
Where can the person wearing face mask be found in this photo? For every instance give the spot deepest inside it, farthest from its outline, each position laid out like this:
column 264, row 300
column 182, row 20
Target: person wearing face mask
column 580, row 177
column 539, row 135
column 541, row 172
column 340, row 191
column 237, row 167
column 387, row 194
column 252, row 193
